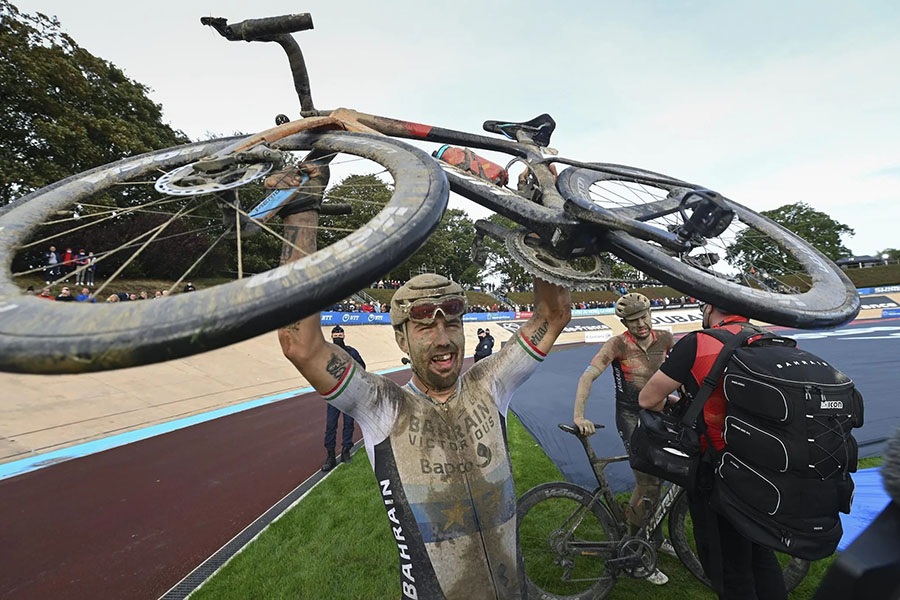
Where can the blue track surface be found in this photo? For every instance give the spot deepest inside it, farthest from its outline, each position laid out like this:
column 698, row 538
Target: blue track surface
column 867, row 351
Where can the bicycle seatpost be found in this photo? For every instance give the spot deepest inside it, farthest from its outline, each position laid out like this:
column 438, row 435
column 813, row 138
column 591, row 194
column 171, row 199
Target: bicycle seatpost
column 278, row 30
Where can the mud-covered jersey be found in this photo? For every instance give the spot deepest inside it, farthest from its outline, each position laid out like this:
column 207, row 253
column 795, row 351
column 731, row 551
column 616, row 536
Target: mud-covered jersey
column 632, row 365
column 444, row 474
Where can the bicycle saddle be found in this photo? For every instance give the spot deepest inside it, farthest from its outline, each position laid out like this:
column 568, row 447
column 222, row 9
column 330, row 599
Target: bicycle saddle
column 539, row 129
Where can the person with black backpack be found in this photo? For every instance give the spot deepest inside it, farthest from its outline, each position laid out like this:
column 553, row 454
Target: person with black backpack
column 738, row 568
column 774, row 447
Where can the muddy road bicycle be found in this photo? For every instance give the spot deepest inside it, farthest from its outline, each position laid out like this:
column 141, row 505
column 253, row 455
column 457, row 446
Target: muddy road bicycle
column 575, row 542
column 204, row 198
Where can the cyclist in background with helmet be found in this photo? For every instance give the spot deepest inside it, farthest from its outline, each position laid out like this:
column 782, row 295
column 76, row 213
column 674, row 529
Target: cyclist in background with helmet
column 635, row 355
column 438, row 444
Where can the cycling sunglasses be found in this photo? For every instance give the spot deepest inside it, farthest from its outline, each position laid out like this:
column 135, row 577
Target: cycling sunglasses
column 425, row 311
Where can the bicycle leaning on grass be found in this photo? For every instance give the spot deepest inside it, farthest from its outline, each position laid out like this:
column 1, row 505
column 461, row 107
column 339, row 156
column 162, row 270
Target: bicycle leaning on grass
column 575, row 542
column 205, row 198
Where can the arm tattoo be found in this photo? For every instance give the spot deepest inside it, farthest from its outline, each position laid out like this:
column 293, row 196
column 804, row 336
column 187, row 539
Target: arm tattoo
column 336, row 365
column 538, row 335
column 287, row 250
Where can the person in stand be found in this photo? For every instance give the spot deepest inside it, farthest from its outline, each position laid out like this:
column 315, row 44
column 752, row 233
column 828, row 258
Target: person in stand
column 85, row 296
column 331, row 422
column 635, row 355
column 81, row 264
column 68, row 263
column 485, row 345
column 51, row 259
column 46, row 294
column 65, row 295
column 189, row 287
column 91, row 268
column 738, row 568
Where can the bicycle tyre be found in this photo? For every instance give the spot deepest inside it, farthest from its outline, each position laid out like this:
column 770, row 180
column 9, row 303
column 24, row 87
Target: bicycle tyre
column 831, row 301
column 545, row 493
column 44, row 337
column 794, row 570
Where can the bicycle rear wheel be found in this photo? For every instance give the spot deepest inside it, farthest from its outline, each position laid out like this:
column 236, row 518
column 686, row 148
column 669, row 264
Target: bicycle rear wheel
column 681, row 533
column 755, row 267
column 38, row 336
column 551, row 517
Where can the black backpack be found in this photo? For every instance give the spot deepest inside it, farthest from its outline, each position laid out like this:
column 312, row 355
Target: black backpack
column 784, row 474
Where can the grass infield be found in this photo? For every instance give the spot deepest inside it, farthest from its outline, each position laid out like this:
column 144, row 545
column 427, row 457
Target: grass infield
column 336, row 543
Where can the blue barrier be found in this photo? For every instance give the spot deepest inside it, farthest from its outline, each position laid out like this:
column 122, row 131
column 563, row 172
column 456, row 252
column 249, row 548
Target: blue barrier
column 890, row 312
column 497, row 316
column 342, row 318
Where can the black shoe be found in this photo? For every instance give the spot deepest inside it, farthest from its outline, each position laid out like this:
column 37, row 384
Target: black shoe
column 330, row 461
column 345, row 454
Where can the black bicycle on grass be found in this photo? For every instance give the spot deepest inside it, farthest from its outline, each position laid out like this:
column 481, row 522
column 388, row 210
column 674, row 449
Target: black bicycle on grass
column 575, row 542
column 204, row 197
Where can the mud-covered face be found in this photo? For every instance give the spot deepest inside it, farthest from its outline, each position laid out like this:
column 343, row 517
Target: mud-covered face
column 638, row 326
column 435, row 351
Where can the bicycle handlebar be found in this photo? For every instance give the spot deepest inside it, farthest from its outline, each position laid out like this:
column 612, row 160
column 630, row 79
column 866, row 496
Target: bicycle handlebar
column 254, row 29
column 574, row 430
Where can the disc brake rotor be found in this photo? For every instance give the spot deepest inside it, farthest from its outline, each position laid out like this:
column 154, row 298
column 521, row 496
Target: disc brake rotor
column 582, row 274
column 187, row 181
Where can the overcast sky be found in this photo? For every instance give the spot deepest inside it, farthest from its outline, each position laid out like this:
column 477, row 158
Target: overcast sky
column 767, row 102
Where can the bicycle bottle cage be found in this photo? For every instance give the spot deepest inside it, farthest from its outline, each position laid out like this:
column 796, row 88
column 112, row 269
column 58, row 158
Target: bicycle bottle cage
column 538, row 129
column 710, row 217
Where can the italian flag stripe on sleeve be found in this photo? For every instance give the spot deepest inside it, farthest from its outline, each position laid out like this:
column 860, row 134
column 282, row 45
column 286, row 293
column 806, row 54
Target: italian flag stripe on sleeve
column 342, row 383
column 530, row 348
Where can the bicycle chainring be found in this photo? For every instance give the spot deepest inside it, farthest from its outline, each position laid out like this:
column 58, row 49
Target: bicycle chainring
column 188, row 181
column 582, row 274
column 640, row 556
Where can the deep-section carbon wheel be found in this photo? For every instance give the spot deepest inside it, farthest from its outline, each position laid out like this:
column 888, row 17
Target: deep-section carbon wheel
column 114, row 212
column 752, row 267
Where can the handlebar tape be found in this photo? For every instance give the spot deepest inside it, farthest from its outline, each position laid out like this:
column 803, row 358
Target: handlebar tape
column 254, row 29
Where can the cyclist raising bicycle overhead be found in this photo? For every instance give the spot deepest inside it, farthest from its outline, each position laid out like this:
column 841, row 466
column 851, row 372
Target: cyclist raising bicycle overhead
column 437, row 444
column 635, row 355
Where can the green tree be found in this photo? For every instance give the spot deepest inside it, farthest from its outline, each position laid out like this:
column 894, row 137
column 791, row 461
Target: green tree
column 891, row 253
column 754, row 251
column 447, row 251
column 513, row 276
column 64, row 109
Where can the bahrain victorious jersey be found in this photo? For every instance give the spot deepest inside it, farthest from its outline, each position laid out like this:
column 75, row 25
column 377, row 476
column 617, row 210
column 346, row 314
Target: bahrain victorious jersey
column 445, row 476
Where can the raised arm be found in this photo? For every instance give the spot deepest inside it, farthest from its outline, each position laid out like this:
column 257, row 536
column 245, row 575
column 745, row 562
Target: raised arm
column 321, row 363
column 552, row 311
column 596, row 368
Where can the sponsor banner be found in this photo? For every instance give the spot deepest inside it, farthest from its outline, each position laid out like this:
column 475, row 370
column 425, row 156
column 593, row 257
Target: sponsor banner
column 890, row 312
column 595, row 337
column 867, row 291
column 526, row 314
column 342, row 318
column 574, row 326
column 676, row 318
column 591, row 312
column 870, row 302
column 676, row 306
column 511, row 326
column 497, row 316
column 579, row 325
column 888, row 289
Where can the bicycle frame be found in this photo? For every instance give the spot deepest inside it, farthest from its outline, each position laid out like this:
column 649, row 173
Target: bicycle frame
column 567, row 236
column 598, row 466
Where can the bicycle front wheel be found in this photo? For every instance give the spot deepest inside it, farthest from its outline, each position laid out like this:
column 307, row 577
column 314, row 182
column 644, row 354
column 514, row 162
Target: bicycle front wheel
column 754, row 267
column 565, row 538
column 116, row 212
column 681, row 533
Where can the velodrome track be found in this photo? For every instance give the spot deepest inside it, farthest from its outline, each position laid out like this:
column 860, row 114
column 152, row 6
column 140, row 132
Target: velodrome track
column 132, row 520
